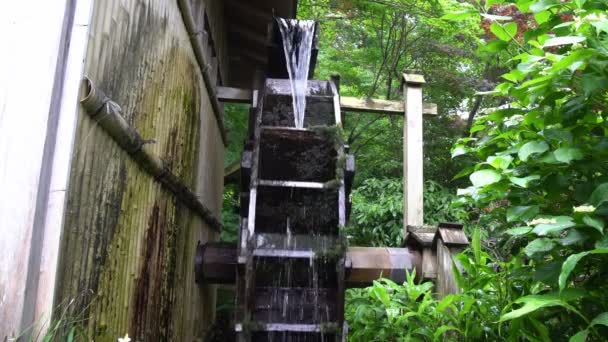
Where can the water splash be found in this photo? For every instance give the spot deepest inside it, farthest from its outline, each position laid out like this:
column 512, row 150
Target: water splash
column 297, row 44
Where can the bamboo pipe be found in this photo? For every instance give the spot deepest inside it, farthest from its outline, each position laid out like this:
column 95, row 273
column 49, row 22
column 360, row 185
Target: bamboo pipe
column 108, row 115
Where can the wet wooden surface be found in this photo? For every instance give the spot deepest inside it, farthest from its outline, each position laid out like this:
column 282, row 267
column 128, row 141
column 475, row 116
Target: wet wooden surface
column 128, row 246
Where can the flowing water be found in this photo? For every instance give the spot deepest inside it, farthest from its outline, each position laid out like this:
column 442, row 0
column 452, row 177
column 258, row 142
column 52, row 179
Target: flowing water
column 297, row 44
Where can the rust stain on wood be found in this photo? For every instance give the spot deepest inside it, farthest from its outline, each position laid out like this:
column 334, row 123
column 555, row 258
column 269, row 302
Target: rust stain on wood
column 125, row 253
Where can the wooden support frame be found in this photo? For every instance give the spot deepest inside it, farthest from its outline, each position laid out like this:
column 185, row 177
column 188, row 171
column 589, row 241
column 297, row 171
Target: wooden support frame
column 412, row 107
column 413, row 181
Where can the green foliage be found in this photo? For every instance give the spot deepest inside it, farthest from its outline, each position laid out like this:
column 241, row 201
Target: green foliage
column 377, row 213
column 552, row 137
column 370, row 43
column 412, row 312
column 230, row 214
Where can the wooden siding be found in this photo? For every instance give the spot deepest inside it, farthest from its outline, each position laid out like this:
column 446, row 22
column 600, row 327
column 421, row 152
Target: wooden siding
column 127, row 253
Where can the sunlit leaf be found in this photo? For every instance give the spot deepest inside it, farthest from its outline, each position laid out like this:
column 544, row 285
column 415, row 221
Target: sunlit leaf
column 563, row 41
column 518, row 231
column 543, row 5
column 504, row 32
column 599, row 195
column 533, row 303
column 594, row 222
column 580, row 336
column 521, row 213
column 571, row 262
column 601, row 319
column 500, row 162
column 523, row 181
column 538, row 246
column 532, row 147
column 484, row 177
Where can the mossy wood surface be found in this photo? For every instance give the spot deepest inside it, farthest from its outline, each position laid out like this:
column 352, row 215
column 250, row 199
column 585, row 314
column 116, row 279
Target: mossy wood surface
column 128, row 246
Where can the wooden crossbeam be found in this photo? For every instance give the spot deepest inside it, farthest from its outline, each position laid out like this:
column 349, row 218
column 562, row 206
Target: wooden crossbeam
column 353, row 104
column 234, row 95
column 347, row 104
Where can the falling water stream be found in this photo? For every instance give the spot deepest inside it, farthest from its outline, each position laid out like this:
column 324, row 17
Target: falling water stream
column 297, row 44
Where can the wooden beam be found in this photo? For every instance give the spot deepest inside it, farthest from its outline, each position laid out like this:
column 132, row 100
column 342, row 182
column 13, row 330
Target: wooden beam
column 234, row 95
column 216, row 262
column 347, row 104
column 413, row 181
column 353, row 104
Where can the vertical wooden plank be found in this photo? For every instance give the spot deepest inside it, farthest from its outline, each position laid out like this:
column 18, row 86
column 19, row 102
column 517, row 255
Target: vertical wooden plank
column 446, row 282
column 412, row 152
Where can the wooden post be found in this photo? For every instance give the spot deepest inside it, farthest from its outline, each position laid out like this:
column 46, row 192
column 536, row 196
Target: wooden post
column 449, row 240
column 412, row 152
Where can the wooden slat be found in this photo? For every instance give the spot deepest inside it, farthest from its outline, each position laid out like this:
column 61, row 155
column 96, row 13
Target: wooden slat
column 353, row 104
column 234, row 95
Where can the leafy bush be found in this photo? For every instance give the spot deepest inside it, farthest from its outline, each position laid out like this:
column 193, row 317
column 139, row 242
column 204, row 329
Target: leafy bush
column 543, row 160
column 411, row 312
column 377, row 213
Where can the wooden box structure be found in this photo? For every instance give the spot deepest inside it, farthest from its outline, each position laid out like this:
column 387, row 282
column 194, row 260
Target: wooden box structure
column 290, row 274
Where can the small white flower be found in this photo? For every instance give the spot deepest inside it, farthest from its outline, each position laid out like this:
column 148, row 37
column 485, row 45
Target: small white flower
column 584, row 209
column 541, row 221
column 124, row 339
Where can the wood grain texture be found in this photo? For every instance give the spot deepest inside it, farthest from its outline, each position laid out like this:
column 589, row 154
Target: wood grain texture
column 128, row 246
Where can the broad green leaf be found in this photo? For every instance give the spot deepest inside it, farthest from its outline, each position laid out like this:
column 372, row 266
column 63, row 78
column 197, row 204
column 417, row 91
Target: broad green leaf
column 542, row 17
column 580, row 3
column 549, row 158
column 521, row 213
column 504, row 32
column 571, row 262
column 602, row 243
column 574, row 236
column 518, row 231
column 567, row 268
column 477, row 128
column 543, row 5
column 524, row 181
column 568, row 154
column 463, row 173
column 573, row 57
column 599, row 195
column 533, row 303
column 484, row 177
column 563, row 41
column 550, row 228
column 558, row 134
column 532, row 147
column 538, row 246
column 494, row 46
column 458, row 151
column 580, row 336
column 500, row 162
column 594, row 222
column 514, row 76
column 601, row 319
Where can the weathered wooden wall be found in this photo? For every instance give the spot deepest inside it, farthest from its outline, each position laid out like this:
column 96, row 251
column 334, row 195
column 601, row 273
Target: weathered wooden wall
column 127, row 249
